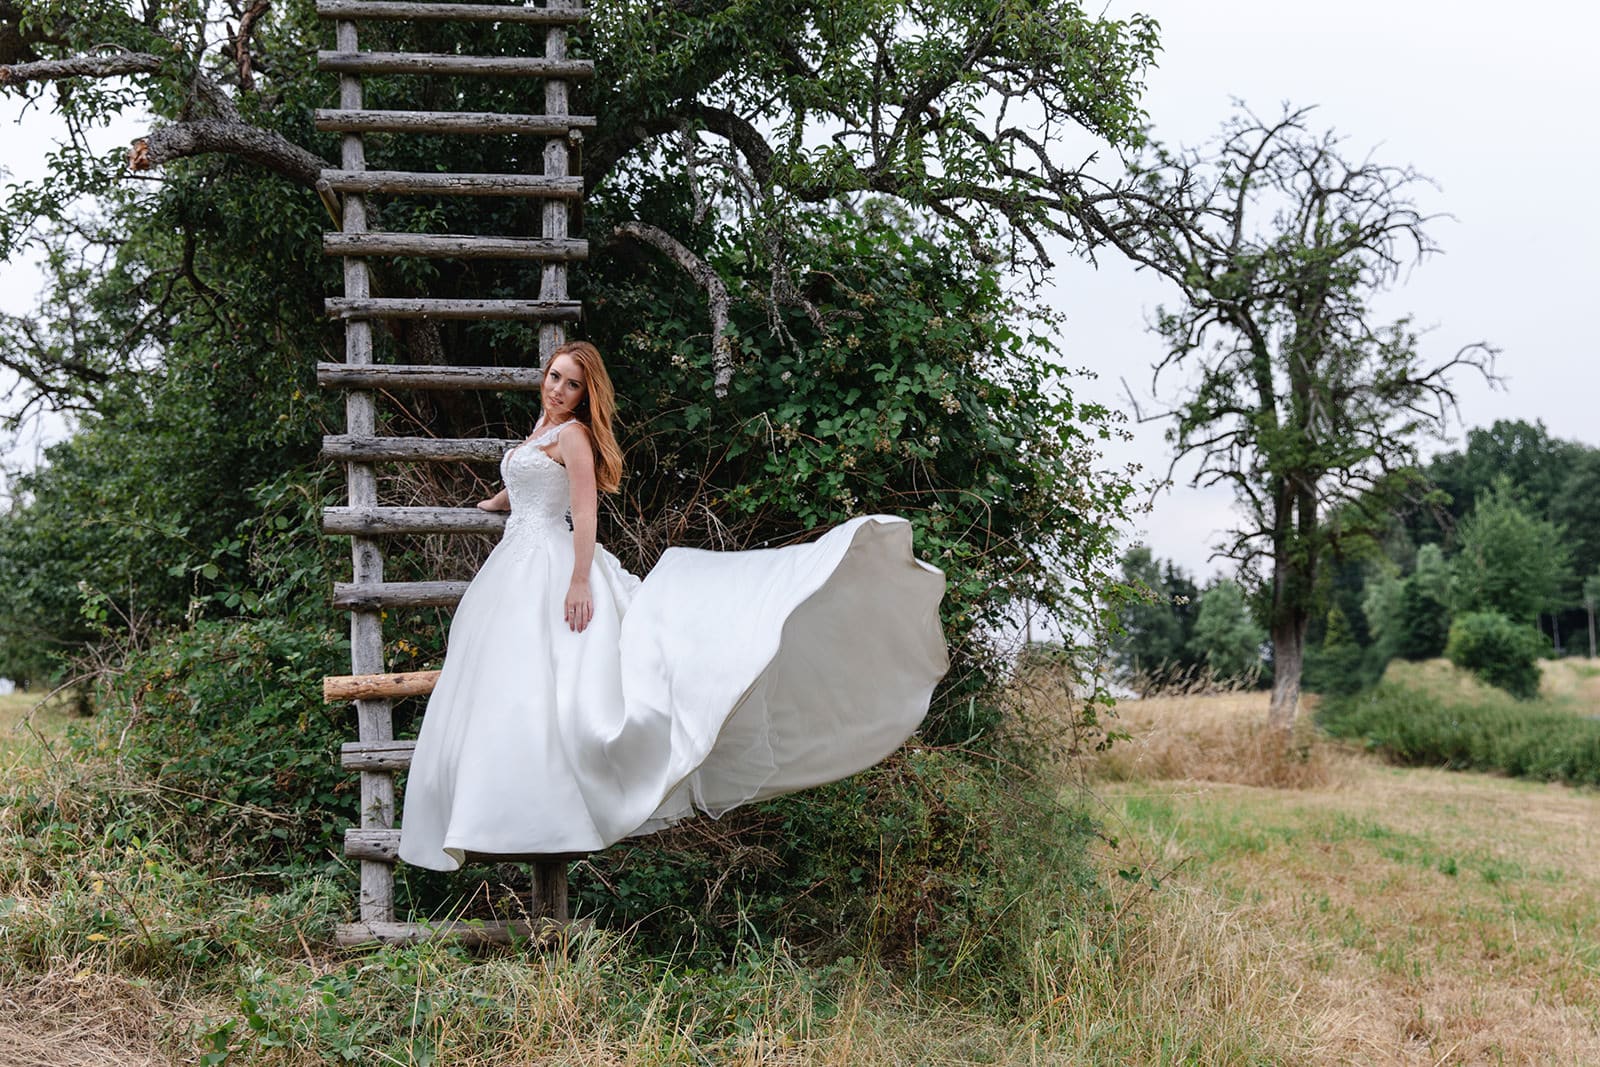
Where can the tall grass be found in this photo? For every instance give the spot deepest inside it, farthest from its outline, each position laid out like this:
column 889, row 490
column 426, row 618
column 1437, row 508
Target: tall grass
column 1462, row 727
column 116, row 946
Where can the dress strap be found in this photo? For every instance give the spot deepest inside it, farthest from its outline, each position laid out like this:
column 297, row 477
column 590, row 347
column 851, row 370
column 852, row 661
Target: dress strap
column 543, row 437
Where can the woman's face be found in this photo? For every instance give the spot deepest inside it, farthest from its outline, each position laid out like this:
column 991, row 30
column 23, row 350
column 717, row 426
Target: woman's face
column 563, row 389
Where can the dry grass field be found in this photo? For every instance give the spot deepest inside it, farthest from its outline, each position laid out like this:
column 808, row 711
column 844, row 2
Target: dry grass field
column 1265, row 903
column 1387, row 915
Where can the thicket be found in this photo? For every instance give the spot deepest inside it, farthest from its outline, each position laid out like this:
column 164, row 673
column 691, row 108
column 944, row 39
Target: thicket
column 1499, row 734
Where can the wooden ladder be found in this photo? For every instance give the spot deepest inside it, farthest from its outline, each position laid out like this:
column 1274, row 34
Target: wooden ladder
column 376, row 755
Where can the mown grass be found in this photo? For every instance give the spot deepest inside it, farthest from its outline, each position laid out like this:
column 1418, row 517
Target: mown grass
column 1418, row 915
column 1432, row 715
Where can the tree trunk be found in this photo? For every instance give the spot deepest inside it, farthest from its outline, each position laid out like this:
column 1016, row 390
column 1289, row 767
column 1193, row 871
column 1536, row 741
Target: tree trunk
column 1288, row 662
column 1591, row 630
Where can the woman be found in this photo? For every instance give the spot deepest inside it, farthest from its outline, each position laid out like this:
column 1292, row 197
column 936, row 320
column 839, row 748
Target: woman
column 578, row 706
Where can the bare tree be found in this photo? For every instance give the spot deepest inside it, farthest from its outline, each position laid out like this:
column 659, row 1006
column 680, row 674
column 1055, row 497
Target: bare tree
column 1292, row 391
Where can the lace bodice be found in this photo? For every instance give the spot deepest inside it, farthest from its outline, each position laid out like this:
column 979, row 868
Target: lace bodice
column 540, row 495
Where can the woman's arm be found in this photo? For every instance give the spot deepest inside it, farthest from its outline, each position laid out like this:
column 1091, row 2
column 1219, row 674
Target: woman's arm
column 501, row 501
column 577, row 453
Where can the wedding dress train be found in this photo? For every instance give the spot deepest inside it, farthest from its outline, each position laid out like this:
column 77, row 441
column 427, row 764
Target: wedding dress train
column 722, row 678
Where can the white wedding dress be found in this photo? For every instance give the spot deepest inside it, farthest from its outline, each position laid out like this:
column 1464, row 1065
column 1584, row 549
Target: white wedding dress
column 722, row 678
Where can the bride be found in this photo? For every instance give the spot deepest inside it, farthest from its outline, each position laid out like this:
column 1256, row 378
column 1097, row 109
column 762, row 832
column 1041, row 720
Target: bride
column 578, row 706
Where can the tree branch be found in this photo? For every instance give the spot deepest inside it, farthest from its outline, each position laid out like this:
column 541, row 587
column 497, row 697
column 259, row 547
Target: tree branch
column 707, row 279
column 200, row 136
column 107, row 66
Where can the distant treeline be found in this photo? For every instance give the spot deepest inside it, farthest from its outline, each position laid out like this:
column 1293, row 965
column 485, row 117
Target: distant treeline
column 1507, row 526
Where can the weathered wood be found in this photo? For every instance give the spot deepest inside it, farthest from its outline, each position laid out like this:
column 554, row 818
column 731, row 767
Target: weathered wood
column 379, row 596
column 548, row 898
column 417, row 183
column 423, row 376
column 480, row 122
column 383, row 846
column 378, row 845
column 376, row 521
column 376, row 755
column 441, row 308
column 398, row 10
column 452, row 246
column 553, row 275
column 416, row 449
column 449, row 64
column 374, row 721
column 337, row 688
column 473, row 932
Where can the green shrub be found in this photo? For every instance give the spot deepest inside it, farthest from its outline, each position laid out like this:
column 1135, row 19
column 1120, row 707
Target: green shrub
column 1411, row 727
column 918, row 862
column 1499, row 651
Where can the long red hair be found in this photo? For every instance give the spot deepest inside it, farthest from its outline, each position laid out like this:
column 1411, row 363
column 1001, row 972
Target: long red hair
column 597, row 411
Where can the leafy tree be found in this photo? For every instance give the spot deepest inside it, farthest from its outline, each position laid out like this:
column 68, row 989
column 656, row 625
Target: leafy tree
column 1301, row 399
column 1226, row 638
column 1591, row 597
column 1510, row 562
column 1576, row 509
column 1501, row 651
column 1154, row 642
column 1424, row 622
column 805, row 220
column 1382, row 605
column 1523, row 453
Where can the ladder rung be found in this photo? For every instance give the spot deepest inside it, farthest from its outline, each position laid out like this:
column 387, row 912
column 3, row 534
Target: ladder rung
column 413, row 183
column 374, row 121
column 471, row 932
column 383, row 846
column 374, row 596
column 410, row 12
column 441, row 308
column 338, row 688
column 376, row 755
column 447, row 63
column 453, row 246
column 415, row 376
column 351, row 447
column 375, row 521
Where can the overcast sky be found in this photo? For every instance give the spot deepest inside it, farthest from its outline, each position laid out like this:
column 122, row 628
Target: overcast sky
column 1496, row 103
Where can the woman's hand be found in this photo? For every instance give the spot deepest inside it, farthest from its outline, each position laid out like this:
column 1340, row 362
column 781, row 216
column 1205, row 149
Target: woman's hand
column 579, row 606
column 501, row 501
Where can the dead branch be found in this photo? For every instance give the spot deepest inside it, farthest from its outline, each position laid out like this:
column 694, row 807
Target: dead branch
column 707, row 279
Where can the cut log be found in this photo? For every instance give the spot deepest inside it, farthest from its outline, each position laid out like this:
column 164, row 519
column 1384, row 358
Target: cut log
column 416, row 183
column 475, row 932
column 347, row 447
column 378, row 596
column 421, row 376
column 395, row 10
column 484, row 122
column 376, row 520
column 337, row 688
column 376, row 755
column 447, row 63
column 452, row 246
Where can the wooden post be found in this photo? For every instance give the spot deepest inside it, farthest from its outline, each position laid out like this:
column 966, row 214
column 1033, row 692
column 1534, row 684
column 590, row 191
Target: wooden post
column 549, row 891
column 375, row 722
